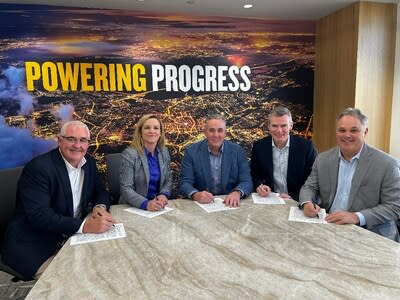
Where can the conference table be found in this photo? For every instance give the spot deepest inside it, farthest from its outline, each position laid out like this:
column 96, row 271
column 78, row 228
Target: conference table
column 252, row 252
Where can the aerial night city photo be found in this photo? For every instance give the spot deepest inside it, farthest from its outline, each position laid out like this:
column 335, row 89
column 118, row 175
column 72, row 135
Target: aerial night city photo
column 123, row 64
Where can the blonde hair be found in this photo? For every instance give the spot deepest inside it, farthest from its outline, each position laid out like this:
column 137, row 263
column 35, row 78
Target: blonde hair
column 137, row 142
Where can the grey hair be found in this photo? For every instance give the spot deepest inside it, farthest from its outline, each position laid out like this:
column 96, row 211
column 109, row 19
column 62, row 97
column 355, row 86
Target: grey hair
column 354, row 112
column 73, row 123
column 280, row 111
column 215, row 117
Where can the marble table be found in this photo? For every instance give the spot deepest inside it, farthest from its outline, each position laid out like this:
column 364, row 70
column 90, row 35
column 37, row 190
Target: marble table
column 253, row 252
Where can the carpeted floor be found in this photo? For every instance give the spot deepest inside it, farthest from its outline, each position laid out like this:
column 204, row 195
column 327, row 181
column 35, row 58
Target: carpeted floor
column 13, row 290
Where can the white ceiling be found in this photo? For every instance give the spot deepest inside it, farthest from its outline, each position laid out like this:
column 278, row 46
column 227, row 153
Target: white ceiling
column 267, row 9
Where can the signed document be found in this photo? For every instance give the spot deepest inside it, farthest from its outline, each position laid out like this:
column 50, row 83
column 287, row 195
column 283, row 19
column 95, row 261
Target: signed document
column 115, row 232
column 297, row 215
column 216, row 205
column 147, row 213
column 273, row 198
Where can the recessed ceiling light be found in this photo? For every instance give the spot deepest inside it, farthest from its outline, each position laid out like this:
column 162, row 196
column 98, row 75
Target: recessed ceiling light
column 248, row 5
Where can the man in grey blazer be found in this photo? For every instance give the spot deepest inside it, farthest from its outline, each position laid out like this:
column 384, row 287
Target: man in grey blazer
column 355, row 183
column 215, row 166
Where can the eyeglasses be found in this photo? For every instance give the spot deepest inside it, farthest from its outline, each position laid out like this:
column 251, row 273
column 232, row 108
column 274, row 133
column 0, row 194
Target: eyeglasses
column 74, row 140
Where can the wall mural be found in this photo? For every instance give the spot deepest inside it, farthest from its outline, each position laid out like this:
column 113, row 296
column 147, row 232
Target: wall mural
column 109, row 67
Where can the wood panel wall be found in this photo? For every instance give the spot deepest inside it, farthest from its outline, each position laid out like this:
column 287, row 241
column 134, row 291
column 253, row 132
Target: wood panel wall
column 395, row 136
column 354, row 67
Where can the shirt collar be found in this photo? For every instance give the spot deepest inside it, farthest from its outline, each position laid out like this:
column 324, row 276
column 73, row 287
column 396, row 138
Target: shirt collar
column 357, row 156
column 221, row 150
column 286, row 146
column 71, row 167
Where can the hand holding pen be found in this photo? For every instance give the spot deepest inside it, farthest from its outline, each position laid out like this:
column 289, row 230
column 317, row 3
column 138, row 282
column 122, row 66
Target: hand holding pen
column 158, row 203
column 316, row 209
column 311, row 210
column 100, row 220
column 203, row 197
column 263, row 190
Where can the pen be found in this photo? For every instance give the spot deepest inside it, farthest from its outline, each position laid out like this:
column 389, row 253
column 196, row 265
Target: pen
column 315, row 208
column 212, row 200
column 99, row 214
column 163, row 204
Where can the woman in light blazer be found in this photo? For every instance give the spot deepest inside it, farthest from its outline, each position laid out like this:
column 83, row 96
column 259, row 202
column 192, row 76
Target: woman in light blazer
column 145, row 173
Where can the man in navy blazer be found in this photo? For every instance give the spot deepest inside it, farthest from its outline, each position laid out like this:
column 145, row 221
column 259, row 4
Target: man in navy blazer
column 59, row 193
column 215, row 166
column 281, row 162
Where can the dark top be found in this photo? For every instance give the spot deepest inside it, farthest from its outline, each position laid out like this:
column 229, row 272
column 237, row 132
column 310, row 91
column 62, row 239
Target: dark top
column 302, row 154
column 44, row 211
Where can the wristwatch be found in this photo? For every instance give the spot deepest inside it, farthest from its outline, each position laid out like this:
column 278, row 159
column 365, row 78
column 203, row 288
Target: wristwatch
column 103, row 206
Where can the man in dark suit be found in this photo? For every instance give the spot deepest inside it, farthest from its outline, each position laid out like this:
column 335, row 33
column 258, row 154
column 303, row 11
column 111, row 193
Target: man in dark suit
column 59, row 193
column 281, row 162
column 215, row 166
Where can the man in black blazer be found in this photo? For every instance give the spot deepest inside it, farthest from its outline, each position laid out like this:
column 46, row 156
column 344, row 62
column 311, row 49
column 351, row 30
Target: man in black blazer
column 59, row 193
column 281, row 162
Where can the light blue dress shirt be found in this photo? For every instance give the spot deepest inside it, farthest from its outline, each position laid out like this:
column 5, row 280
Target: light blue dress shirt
column 280, row 159
column 345, row 178
column 215, row 163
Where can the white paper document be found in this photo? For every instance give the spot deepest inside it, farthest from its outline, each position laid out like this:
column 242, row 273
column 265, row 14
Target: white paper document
column 216, row 205
column 115, row 232
column 147, row 213
column 297, row 215
column 273, row 198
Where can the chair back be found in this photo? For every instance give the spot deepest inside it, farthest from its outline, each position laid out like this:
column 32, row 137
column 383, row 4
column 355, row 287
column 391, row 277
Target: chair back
column 113, row 161
column 8, row 187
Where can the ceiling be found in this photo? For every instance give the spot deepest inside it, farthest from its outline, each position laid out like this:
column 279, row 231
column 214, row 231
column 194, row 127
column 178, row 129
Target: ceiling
column 266, row 9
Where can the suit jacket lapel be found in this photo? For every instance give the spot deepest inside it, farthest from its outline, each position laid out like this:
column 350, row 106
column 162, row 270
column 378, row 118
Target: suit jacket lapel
column 205, row 161
column 59, row 164
column 269, row 159
column 145, row 165
column 161, row 160
column 361, row 169
column 291, row 168
column 84, row 201
column 226, row 163
column 333, row 176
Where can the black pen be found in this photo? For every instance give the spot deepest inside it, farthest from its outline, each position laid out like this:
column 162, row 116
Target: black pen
column 162, row 204
column 99, row 214
column 315, row 208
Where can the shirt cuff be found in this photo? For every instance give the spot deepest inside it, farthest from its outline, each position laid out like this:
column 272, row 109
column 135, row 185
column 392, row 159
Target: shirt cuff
column 240, row 191
column 362, row 219
column 165, row 194
column 301, row 205
column 191, row 194
column 144, row 204
column 103, row 206
column 80, row 230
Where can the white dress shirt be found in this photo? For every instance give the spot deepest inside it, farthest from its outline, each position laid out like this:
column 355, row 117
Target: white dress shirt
column 280, row 159
column 76, row 177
